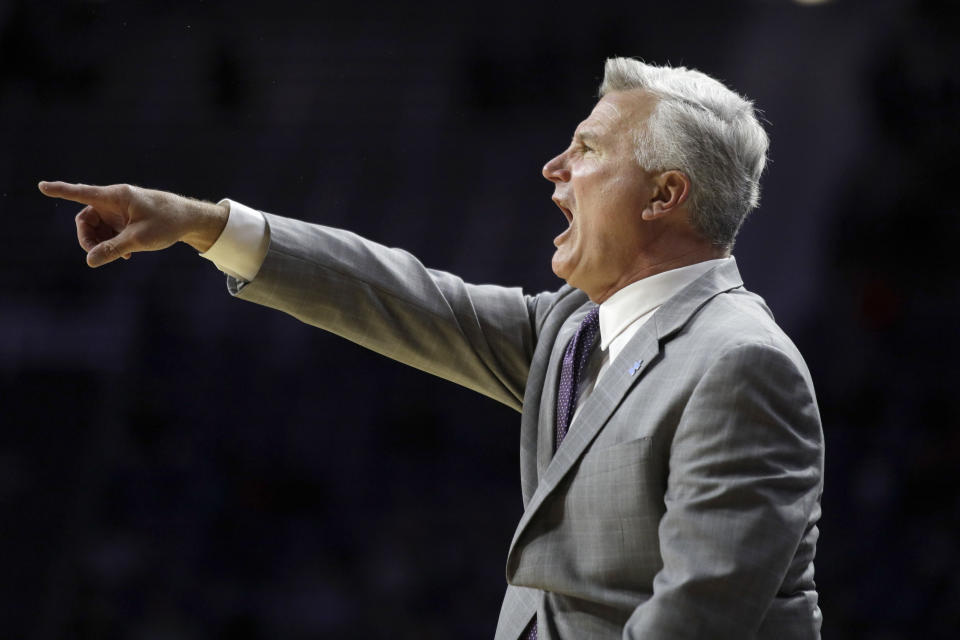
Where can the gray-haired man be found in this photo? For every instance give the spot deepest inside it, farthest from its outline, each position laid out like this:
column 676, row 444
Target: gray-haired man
column 671, row 447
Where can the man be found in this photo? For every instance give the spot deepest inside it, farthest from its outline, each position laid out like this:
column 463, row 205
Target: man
column 671, row 448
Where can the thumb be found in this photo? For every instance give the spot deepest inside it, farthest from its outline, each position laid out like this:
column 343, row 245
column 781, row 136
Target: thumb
column 121, row 245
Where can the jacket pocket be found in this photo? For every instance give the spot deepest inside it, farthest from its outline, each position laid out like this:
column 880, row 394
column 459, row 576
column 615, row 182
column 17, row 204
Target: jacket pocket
column 610, row 459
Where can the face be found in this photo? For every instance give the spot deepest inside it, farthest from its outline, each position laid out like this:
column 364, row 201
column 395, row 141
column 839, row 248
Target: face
column 602, row 192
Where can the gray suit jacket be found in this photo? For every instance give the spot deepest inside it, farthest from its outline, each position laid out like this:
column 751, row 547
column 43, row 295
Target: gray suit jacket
column 683, row 502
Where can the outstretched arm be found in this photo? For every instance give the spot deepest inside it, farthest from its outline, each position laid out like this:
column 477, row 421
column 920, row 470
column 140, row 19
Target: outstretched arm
column 121, row 219
column 479, row 336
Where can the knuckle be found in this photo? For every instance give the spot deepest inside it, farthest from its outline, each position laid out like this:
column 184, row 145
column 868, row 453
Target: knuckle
column 121, row 191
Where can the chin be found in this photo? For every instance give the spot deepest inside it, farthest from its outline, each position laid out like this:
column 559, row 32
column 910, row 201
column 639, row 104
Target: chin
column 566, row 277
column 559, row 269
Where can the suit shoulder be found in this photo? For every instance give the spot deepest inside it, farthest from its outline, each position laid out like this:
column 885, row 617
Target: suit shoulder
column 740, row 319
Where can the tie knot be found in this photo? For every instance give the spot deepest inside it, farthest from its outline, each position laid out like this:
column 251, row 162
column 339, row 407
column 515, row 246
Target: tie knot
column 592, row 319
column 588, row 329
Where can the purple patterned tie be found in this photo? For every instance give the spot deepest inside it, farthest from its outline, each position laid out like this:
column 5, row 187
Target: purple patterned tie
column 530, row 633
column 575, row 360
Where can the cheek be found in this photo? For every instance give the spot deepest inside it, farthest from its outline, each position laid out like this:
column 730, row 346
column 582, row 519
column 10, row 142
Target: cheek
column 623, row 191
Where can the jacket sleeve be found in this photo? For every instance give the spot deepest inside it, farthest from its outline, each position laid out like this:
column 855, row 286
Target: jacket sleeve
column 479, row 336
column 744, row 483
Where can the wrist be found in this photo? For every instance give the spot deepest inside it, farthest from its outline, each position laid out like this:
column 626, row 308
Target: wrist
column 208, row 220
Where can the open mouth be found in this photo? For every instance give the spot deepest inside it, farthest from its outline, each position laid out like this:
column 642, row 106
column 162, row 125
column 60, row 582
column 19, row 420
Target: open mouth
column 568, row 214
column 566, row 211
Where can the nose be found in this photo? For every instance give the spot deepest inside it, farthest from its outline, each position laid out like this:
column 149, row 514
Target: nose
column 556, row 169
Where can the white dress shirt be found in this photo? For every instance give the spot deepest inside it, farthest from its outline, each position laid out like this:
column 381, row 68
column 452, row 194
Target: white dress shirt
column 243, row 243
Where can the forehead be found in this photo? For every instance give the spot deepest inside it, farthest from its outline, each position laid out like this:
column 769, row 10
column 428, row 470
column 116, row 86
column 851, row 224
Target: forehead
column 618, row 112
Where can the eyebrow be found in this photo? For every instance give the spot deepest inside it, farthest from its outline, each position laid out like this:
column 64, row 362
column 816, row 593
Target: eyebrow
column 586, row 136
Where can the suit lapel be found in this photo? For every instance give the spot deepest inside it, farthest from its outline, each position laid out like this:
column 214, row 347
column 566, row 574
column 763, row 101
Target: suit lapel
column 597, row 409
column 616, row 382
column 604, row 399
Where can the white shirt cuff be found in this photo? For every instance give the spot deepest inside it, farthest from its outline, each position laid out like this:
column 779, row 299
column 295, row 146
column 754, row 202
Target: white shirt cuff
column 243, row 243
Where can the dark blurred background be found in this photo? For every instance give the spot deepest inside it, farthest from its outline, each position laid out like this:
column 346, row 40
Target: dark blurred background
column 177, row 464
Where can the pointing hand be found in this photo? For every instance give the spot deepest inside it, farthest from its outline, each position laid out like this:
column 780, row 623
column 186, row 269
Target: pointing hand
column 121, row 219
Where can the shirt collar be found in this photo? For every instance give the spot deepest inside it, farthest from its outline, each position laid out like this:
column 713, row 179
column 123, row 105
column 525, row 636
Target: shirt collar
column 639, row 298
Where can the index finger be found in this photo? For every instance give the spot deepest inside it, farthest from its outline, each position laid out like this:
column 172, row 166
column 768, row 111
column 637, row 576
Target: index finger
column 82, row 193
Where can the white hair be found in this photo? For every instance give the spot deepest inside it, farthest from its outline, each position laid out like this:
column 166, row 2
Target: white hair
column 705, row 130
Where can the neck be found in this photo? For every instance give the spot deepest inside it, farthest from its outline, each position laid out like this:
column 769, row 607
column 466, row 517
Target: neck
column 652, row 263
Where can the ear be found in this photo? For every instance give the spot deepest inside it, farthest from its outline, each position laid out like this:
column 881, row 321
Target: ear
column 671, row 190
